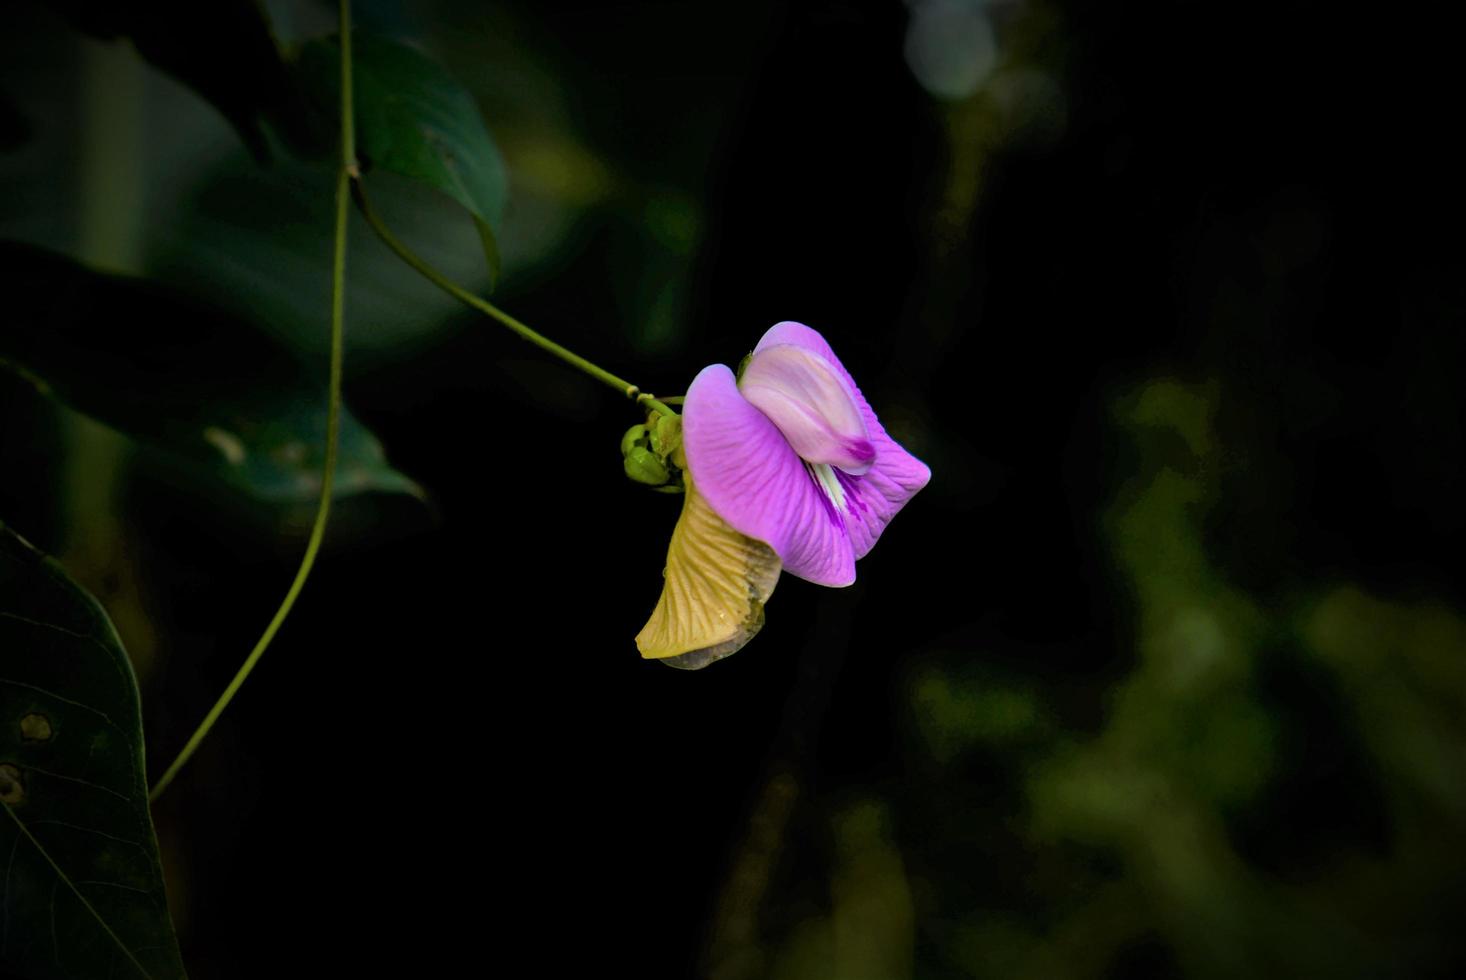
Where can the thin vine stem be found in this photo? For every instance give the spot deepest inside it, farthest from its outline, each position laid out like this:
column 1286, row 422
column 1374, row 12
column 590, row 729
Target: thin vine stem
column 333, row 417
column 358, row 192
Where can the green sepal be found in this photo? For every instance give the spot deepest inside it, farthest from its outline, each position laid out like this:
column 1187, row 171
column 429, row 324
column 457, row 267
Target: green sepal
column 647, row 451
column 666, row 435
column 643, row 466
column 635, row 436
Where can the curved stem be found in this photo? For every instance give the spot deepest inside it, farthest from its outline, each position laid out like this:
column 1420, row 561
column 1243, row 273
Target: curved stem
column 358, row 192
column 333, row 418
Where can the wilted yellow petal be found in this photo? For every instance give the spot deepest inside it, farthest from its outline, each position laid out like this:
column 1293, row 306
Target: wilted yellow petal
column 717, row 582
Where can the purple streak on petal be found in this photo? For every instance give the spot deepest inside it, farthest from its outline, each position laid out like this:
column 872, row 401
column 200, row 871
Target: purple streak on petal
column 804, row 394
column 893, row 478
column 853, row 501
column 875, row 498
column 747, row 471
column 831, row 511
column 864, row 454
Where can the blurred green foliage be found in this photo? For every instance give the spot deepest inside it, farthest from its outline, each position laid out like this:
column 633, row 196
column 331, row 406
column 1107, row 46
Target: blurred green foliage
column 1198, row 829
column 189, row 377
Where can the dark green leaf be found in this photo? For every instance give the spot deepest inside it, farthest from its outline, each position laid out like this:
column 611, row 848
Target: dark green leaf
column 82, row 892
column 224, row 49
column 413, row 119
column 261, row 238
column 177, row 373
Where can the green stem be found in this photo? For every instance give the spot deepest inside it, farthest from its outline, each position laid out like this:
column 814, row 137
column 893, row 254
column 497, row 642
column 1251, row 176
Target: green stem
column 333, row 416
column 452, row 288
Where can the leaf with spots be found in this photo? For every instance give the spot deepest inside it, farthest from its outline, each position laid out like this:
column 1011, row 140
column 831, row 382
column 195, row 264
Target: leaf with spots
column 413, row 119
column 81, row 886
column 202, row 384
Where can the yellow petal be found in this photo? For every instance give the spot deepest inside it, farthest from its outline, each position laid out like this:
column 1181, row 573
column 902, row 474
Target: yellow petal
column 717, row 582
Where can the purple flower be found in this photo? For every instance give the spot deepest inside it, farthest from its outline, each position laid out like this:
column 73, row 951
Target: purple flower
column 786, row 465
column 792, row 455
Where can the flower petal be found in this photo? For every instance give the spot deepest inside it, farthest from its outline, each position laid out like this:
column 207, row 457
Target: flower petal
column 813, row 406
column 755, row 481
column 894, row 476
column 717, row 582
column 797, row 334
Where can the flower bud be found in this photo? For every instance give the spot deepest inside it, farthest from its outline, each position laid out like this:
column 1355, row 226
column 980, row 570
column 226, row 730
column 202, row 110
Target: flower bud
column 649, row 453
column 666, row 435
column 643, row 466
column 635, row 435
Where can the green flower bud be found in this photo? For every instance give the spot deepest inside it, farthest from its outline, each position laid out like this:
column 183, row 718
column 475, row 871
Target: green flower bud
column 651, row 453
column 666, row 435
column 636, row 435
column 643, row 466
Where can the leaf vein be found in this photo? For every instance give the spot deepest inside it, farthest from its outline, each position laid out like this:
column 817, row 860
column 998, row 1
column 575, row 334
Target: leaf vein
column 85, row 782
column 114, row 884
column 61, row 877
column 86, row 830
column 75, row 704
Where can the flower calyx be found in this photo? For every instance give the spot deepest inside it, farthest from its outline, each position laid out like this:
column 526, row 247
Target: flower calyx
column 652, row 453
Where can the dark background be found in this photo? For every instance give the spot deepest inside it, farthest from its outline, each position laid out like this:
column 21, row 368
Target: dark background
column 1163, row 674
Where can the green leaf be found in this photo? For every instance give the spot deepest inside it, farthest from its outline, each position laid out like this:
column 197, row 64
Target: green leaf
column 261, row 237
column 413, row 119
column 224, row 49
column 82, row 893
column 174, row 372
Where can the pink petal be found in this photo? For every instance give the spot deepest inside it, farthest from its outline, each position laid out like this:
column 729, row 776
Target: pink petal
column 894, row 476
column 789, row 332
column 756, row 482
column 873, row 499
column 812, row 405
